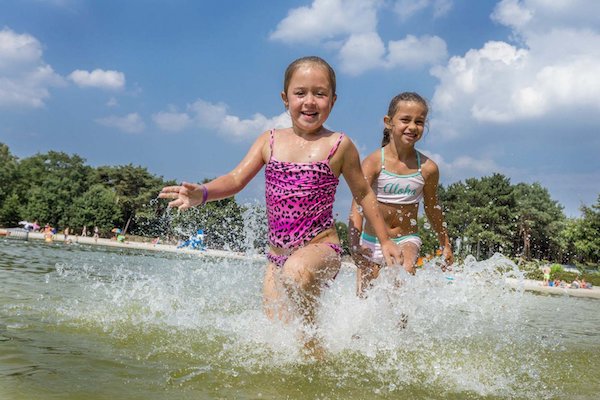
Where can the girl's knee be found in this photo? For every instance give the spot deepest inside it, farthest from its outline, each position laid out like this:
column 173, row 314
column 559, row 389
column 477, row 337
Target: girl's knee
column 295, row 272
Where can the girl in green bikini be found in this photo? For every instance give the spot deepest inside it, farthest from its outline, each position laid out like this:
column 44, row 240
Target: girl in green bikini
column 401, row 177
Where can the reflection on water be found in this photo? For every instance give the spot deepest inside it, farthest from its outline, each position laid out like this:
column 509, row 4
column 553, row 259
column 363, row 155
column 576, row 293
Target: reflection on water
column 84, row 322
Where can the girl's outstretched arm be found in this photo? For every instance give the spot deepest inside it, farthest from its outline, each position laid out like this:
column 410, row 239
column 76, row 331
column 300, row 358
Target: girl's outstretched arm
column 433, row 210
column 365, row 197
column 191, row 194
column 370, row 167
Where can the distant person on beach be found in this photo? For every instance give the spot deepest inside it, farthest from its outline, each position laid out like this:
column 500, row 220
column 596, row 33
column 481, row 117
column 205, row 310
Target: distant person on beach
column 48, row 233
column 585, row 285
column 96, row 234
column 402, row 177
column 84, row 231
column 546, row 271
column 302, row 168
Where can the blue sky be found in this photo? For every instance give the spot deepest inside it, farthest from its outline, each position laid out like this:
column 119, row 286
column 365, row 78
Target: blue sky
column 184, row 87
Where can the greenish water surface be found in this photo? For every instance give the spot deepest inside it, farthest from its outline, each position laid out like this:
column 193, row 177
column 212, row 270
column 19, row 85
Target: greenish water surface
column 91, row 323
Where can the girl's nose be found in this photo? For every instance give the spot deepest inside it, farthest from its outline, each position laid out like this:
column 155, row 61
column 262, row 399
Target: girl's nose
column 309, row 99
column 412, row 126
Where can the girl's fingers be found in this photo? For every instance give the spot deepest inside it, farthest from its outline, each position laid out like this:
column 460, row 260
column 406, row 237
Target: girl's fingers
column 175, row 203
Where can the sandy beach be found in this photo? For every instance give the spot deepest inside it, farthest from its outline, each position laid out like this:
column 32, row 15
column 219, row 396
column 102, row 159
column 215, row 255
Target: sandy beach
column 527, row 284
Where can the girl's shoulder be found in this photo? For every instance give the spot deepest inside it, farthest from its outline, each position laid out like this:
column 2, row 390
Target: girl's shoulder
column 372, row 163
column 428, row 166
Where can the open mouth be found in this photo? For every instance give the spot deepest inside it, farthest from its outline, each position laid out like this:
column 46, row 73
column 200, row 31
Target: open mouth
column 310, row 114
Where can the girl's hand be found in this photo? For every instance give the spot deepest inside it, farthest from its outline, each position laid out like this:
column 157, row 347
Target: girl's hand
column 187, row 195
column 391, row 253
column 448, row 257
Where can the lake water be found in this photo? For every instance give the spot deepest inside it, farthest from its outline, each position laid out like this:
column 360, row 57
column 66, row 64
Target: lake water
column 80, row 322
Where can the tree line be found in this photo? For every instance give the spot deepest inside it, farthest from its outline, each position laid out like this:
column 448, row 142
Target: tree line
column 483, row 215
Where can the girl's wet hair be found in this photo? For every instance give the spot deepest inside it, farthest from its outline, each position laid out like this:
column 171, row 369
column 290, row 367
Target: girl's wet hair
column 308, row 60
column 404, row 96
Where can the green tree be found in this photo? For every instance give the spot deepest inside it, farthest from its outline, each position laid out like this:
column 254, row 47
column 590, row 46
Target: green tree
column 9, row 208
column 48, row 185
column 586, row 234
column 9, row 211
column 539, row 223
column 96, row 207
column 481, row 213
column 134, row 186
column 342, row 231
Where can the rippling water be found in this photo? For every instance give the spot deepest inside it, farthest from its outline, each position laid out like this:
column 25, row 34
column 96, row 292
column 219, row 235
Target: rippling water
column 81, row 322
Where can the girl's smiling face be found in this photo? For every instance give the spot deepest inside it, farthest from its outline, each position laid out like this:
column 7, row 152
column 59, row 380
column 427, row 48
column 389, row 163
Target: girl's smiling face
column 309, row 98
column 408, row 122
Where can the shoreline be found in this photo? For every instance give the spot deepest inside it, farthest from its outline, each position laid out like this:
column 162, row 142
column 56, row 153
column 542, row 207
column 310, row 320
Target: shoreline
column 527, row 284
column 531, row 285
column 88, row 240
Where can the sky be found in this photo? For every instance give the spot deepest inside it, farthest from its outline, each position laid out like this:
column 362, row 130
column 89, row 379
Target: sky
column 184, row 87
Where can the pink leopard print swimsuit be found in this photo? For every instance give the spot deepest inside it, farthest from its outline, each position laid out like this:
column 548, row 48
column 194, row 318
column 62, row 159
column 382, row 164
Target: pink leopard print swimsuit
column 299, row 200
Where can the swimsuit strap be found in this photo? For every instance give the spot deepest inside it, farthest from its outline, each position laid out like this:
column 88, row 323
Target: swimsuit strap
column 335, row 146
column 382, row 160
column 271, row 140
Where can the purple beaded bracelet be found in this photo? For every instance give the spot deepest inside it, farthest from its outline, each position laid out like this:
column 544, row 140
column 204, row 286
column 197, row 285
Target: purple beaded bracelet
column 204, row 195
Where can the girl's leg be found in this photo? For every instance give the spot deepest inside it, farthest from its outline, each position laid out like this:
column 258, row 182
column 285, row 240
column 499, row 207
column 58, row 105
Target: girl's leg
column 410, row 252
column 365, row 277
column 275, row 299
column 304, row 275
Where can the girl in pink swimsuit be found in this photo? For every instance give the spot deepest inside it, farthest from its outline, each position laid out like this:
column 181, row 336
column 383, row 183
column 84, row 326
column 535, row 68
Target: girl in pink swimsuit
column 303, row 165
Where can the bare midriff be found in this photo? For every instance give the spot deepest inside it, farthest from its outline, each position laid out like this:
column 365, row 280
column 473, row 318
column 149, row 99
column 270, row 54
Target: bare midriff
column 400, row 219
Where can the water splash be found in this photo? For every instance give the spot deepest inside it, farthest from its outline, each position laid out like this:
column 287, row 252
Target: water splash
column 466, row 330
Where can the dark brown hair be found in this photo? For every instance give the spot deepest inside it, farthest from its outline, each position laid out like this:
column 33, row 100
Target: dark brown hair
column 404, row 96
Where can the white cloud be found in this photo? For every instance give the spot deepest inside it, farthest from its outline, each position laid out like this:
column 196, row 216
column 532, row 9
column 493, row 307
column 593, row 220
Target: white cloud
column 25, row 78
column 205, row 115
column 512, row 13
column 464, row 166
column 350, row 27
column 367, row 51
column 361, row 53
column 407, row 8
column 327, row 19
column 414, row 52
column 172, row 121
column 98, row 78
column 556, row 68
column 527, row 16
column 131, row 123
